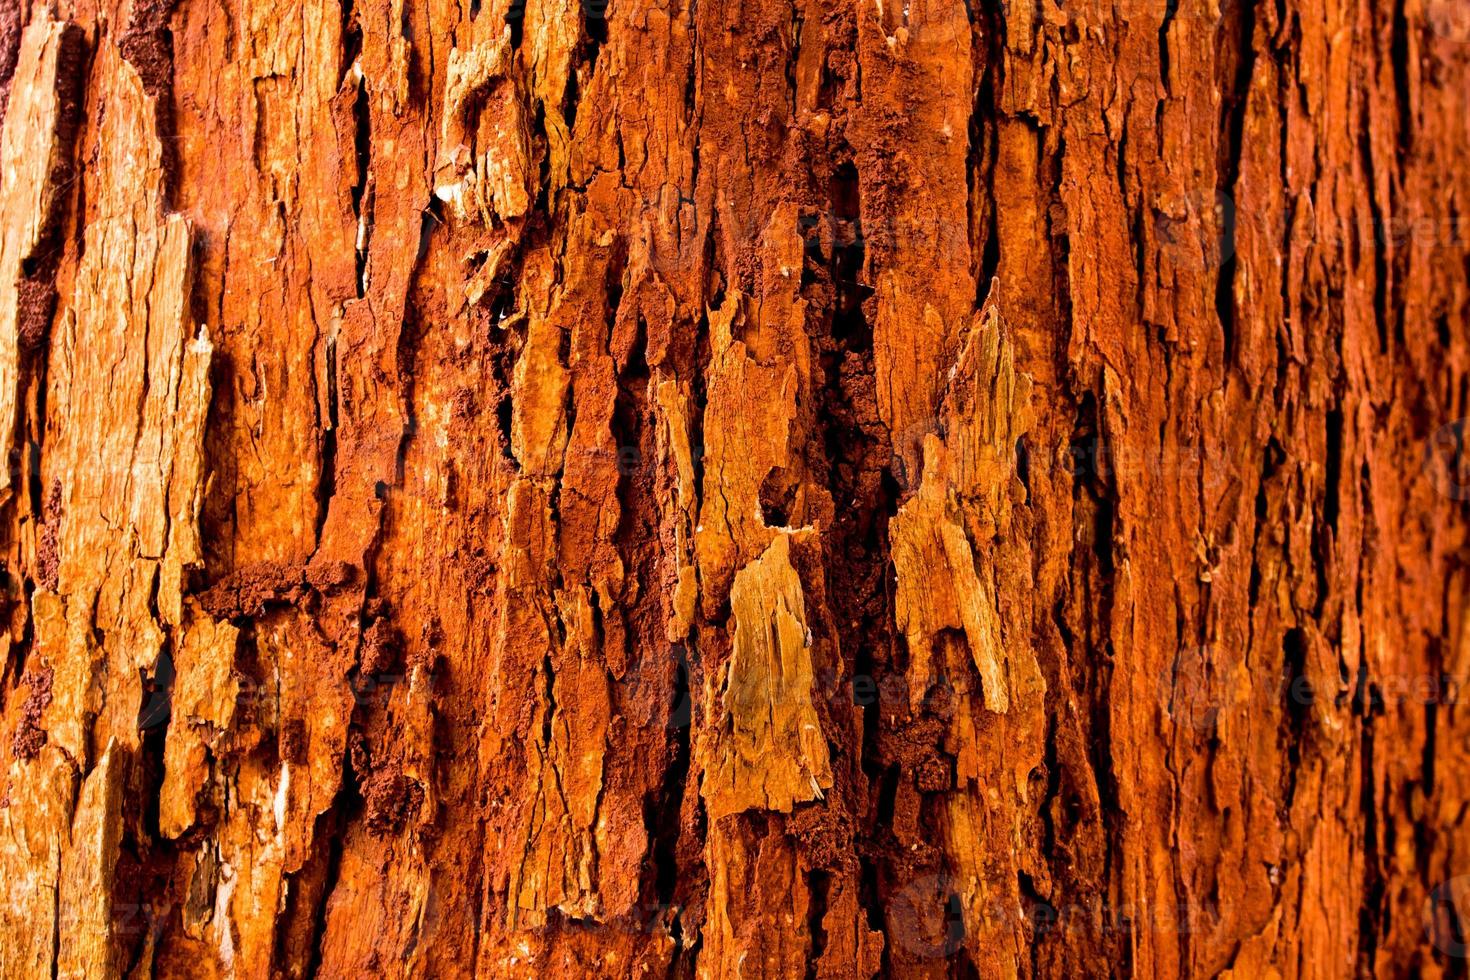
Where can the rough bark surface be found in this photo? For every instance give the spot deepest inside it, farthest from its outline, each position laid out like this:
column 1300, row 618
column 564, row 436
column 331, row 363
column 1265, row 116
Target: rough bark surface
column 798, row 488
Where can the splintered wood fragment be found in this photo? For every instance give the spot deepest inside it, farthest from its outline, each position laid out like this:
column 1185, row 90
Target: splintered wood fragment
column 553, row 36
column 85, row 907
column 746, row 436
column 769, row 752
column 986, row 408
column 758, row 904
column 33, row 834
column 32, row 159
column 673, row 403
column 202, row 707
column 485, row 168
column 939, row 587
column 127, row 401
column 943, row 584
column 557, row 869
column 184, row 480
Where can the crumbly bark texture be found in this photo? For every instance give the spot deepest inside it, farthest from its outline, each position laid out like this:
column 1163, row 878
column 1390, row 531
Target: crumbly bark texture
column 773, row 488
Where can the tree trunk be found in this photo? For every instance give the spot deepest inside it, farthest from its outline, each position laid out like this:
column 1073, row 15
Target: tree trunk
column 798, row 488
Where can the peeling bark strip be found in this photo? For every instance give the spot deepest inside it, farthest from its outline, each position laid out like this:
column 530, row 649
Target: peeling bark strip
column 771, row 753
column 35, row 166
column 809, row 488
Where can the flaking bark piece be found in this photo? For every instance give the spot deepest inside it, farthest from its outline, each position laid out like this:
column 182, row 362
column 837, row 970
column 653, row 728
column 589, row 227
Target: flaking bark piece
column 770, row 752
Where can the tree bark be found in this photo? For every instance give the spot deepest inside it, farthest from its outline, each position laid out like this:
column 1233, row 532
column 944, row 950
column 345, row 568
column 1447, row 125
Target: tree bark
column 803, row 488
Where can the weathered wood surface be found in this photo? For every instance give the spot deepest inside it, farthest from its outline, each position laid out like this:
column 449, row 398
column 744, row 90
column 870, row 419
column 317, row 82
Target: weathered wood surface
column 803, row 488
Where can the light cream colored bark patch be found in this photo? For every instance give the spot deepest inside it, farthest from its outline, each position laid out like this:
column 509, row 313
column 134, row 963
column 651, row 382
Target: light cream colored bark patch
column 30, row 148
column 769, row 752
